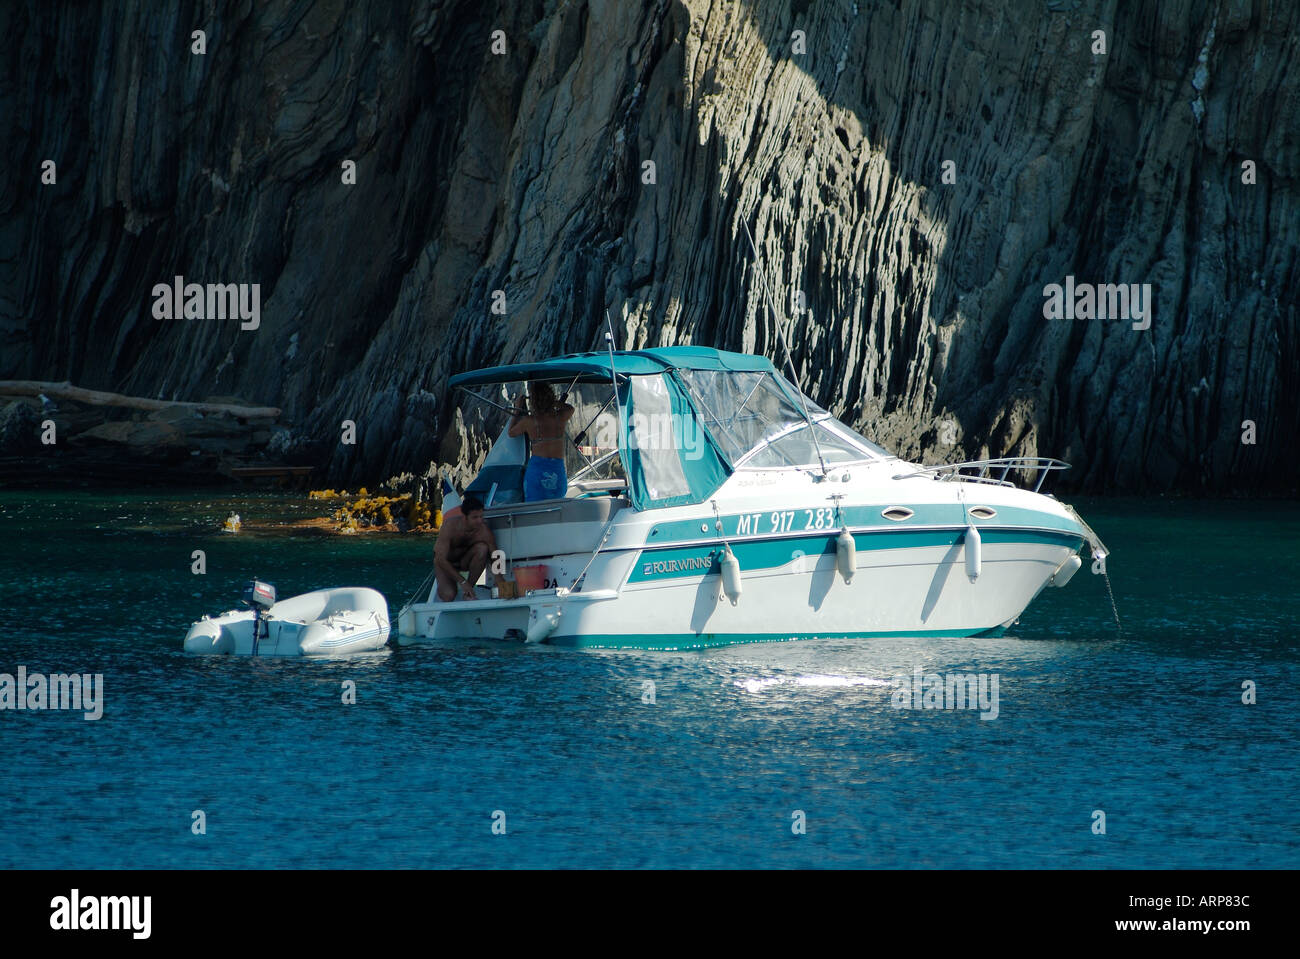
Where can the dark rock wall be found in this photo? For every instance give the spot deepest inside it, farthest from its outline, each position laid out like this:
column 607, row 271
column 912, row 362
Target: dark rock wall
column 524, row 173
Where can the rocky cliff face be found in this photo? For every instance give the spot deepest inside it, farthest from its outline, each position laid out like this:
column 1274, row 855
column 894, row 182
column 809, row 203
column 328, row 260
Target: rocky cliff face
column 827, row 127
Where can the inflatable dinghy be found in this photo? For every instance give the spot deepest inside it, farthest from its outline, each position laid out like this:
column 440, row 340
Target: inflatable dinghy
column 327, row 622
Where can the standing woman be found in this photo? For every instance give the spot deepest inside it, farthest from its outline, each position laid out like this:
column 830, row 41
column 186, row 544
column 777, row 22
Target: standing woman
column 544, row 478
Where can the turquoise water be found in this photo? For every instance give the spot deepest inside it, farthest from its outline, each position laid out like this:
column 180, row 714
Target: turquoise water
column 1148, row 727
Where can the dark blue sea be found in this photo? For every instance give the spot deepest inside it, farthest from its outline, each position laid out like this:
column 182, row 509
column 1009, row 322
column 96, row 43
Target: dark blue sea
column 740, row 745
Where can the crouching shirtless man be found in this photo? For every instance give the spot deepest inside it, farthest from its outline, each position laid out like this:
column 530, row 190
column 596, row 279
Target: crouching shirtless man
column 464, row 543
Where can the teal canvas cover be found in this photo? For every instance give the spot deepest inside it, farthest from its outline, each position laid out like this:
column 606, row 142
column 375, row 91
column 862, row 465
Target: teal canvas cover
column 669, row 442
column 595, row 367
column 669, row 455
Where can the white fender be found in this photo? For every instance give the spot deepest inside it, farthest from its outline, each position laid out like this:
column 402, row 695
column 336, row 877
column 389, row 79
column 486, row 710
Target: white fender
column 542, row 627
column 973, row 562
column 846, row 554
column 406, row 622
column 731, row 579
column 1067, row 570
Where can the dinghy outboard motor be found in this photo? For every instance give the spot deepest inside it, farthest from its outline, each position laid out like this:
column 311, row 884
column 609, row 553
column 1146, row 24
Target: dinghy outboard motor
column 259, row 597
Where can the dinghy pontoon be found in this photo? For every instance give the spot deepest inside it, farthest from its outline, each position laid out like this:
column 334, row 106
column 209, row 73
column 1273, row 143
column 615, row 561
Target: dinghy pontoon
column 326, row 622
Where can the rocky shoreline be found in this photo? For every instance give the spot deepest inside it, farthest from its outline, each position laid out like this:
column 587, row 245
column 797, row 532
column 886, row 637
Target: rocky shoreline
column 63, row 436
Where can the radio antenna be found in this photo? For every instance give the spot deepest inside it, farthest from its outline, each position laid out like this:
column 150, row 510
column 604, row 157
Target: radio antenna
column 776, row 318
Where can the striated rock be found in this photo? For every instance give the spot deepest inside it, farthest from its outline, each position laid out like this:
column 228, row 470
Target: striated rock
column 525, row 173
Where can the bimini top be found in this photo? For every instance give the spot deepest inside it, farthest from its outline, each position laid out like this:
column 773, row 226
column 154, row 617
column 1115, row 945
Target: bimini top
column 594, row 367
column 689, row 416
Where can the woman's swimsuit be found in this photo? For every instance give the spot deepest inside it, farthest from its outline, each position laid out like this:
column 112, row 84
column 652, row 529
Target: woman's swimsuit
column 544, row 478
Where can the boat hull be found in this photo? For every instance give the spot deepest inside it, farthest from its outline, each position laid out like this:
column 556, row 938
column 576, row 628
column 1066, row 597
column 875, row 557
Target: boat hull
column 790, row 589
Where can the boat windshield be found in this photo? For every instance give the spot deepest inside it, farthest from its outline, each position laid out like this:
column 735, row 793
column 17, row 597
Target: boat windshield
column 592, row 449
column 757, row 424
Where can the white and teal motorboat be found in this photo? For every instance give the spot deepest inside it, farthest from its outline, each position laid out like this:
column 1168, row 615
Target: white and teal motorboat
column 710, row 502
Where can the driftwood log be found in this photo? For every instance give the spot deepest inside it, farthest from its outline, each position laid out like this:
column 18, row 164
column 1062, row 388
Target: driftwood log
column 76, row 394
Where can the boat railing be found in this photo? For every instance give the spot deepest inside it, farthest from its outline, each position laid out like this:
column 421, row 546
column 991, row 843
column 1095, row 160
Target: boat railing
column 984, row 470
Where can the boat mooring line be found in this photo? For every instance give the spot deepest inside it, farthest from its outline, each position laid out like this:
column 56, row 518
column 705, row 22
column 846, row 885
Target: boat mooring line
column 1099, row 554
column 609, row 525
column 422, row 588
column 1115, row 609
